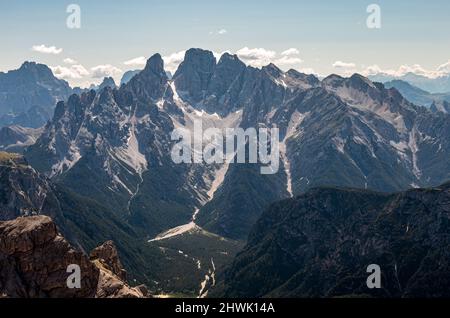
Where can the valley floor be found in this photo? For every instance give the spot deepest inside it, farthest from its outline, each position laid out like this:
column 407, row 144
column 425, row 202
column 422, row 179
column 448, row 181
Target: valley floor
column 191, row 257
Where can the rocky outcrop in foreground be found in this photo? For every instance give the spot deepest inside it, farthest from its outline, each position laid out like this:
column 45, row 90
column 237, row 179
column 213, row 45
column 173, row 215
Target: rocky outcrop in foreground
column 34, row 259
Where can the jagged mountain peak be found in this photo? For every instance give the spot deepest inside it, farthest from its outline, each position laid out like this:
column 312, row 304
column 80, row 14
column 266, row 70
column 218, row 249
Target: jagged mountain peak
column 272, row 69
column 150, row 83
column 310, row 78
column 107, row 82
column 28, row 95
column 196, row 59
column 297, row 80
column 32, row 66
column 230, row 60
column 333, row 78
column 195, row 53
column 360, row 82
column 194, row 74
column 228, row 56
column 155, row 65
column 356, row 80
column 30, row 73
column 106, row 95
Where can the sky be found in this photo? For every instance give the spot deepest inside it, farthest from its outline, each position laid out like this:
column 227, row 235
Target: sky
column 320, row 37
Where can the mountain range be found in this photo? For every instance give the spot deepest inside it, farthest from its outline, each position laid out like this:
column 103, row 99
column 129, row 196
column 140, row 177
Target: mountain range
column 320, row 244
column 436, row 102
column 102, row 167
column 347, row 132
column 438, row 85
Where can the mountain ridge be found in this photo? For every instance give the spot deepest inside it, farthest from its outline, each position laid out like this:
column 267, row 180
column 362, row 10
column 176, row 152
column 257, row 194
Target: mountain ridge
column 372, row 133
column 319, row 244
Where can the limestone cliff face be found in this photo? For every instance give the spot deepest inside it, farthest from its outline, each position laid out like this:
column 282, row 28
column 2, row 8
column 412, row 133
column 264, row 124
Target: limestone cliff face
column 34, row 259
column 22, row 190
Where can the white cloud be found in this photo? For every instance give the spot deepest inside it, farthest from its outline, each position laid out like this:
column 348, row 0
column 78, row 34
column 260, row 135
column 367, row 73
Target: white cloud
column 308, row 70
column 172, row 61
column 345, row 68
column 441, row 70
column 101, row 71
column 75, row 71
column 345, row 65
column 372, row 70
column 219, row 32
column 291, row 51
column 445, row 68
column 256, row 57
column 416, row 69
column 80, row 69
column 69, row 61
column 259, row 57
column 46, row 49
column 138, row 61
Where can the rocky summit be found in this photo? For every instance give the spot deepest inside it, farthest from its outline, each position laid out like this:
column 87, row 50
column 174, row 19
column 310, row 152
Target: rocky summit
column 34, row 258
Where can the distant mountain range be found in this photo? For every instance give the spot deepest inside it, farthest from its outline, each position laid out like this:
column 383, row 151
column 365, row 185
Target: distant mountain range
column 128, row 75
column 437, row 85
column 28, row 95
column 437, row 102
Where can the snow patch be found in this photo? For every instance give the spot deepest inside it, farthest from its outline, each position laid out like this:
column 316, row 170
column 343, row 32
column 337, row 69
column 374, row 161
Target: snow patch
column 412, row 144
column 67, row 162
column 130, row 153
column 294, row 123
column 176, row 231
column 340, row 144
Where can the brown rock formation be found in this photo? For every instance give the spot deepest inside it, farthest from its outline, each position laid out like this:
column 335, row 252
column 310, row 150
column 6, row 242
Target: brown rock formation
column 112, row 275
column 34, row 258
column 108, row 256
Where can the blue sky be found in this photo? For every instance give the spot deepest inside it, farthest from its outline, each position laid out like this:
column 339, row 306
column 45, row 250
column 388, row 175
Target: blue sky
column 329, row 36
